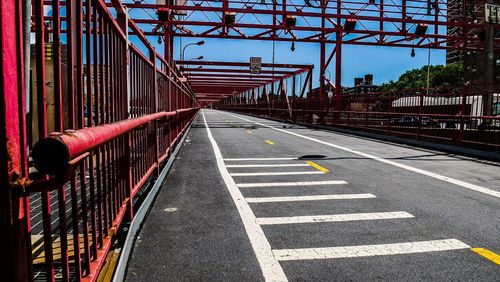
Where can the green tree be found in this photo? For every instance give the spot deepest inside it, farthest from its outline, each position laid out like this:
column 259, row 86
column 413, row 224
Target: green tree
column 442, row 79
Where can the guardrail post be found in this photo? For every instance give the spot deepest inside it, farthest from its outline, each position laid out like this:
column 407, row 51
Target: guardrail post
column 15, row 250
column 462, row 110
column 420, row 111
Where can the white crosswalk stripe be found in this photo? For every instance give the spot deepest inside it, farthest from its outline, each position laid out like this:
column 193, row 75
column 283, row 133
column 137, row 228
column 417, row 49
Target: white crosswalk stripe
column 332, row 218
column 266, row 165
column 283, row 184
column 369, row 250
column 276, row 173
column 309, row 198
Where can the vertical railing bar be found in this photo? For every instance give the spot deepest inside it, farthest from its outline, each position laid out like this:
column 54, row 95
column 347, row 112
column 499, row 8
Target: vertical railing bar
column 61, row 199
column 117, row 117
column 90, row 58
column 109, row 119
column 114, row 99
column 99, row 204
column 75, row 225
column 111, row 115
column 80, row 123
column 42, row 132
column 101, row 120
column 83, row 195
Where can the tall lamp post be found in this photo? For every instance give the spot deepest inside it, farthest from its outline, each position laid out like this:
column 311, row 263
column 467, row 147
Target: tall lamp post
column 199, row 43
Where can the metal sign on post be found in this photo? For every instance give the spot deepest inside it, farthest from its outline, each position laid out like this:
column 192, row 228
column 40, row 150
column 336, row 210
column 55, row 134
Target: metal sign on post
column 492, row 13
column 255, row 65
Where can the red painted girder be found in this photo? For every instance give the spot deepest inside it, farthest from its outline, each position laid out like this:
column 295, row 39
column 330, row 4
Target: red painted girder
column 386, row 44
column 312, row 14
column 240, row 64
column 215, row 70
column 226, row 75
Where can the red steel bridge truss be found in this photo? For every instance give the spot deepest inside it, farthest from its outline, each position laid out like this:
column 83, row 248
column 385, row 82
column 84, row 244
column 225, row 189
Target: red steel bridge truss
column 432, row 24
column 90, row 111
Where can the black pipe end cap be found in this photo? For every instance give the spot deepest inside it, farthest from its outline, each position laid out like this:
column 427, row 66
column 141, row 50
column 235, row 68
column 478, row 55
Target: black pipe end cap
column 51, row 156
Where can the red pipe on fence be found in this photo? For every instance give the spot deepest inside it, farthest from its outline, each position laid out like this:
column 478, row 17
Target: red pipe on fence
column 53, row 154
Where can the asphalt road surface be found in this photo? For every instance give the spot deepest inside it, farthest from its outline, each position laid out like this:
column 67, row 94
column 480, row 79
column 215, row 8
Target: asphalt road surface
column 250, row 199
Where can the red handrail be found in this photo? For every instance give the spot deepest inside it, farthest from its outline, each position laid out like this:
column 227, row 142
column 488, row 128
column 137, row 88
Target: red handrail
column 53, row 153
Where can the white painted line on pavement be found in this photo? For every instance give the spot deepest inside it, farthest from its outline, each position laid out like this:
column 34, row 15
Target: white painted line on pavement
column 303, row 183
column 271, row 268
column 260, row 159
column 267, row 165
column 461, row 183
column 332, row 218
column 310, row 198
column 275, row 173
column 370, row 250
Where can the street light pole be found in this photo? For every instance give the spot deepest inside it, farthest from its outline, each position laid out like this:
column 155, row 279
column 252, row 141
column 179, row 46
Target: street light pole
column 199, row 43
column 428, row 70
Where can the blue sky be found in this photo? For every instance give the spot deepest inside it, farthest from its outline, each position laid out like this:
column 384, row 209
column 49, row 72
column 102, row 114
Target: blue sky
column 385, row 63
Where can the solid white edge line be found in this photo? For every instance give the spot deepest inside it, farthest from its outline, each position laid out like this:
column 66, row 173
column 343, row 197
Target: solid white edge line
column 283, row 184
column 310, row 198
column 266, row 165
column 332, row 218
column 370, row 250
column 271, row 268
column 275, row 173
column 461, row 183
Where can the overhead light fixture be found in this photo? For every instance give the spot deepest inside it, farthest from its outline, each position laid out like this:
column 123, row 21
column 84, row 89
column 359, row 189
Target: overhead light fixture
column 290, row 21
column 163, row 14
column 350, row 24
column 292, row 48
column 159, row 40
column 199, row 43
column 421, row 29
column 229, row 18
column 412, row 54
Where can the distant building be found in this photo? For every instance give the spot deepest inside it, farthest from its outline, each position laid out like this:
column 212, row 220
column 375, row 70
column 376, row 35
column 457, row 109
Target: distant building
column 362, row 85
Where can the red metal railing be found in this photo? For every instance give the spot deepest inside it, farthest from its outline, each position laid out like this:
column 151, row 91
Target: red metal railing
column 116, row 109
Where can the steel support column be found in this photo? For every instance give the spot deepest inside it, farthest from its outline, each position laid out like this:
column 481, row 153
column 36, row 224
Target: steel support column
column 15, row 258
column 489, row 69
column 322, row 58
column 338, row 65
